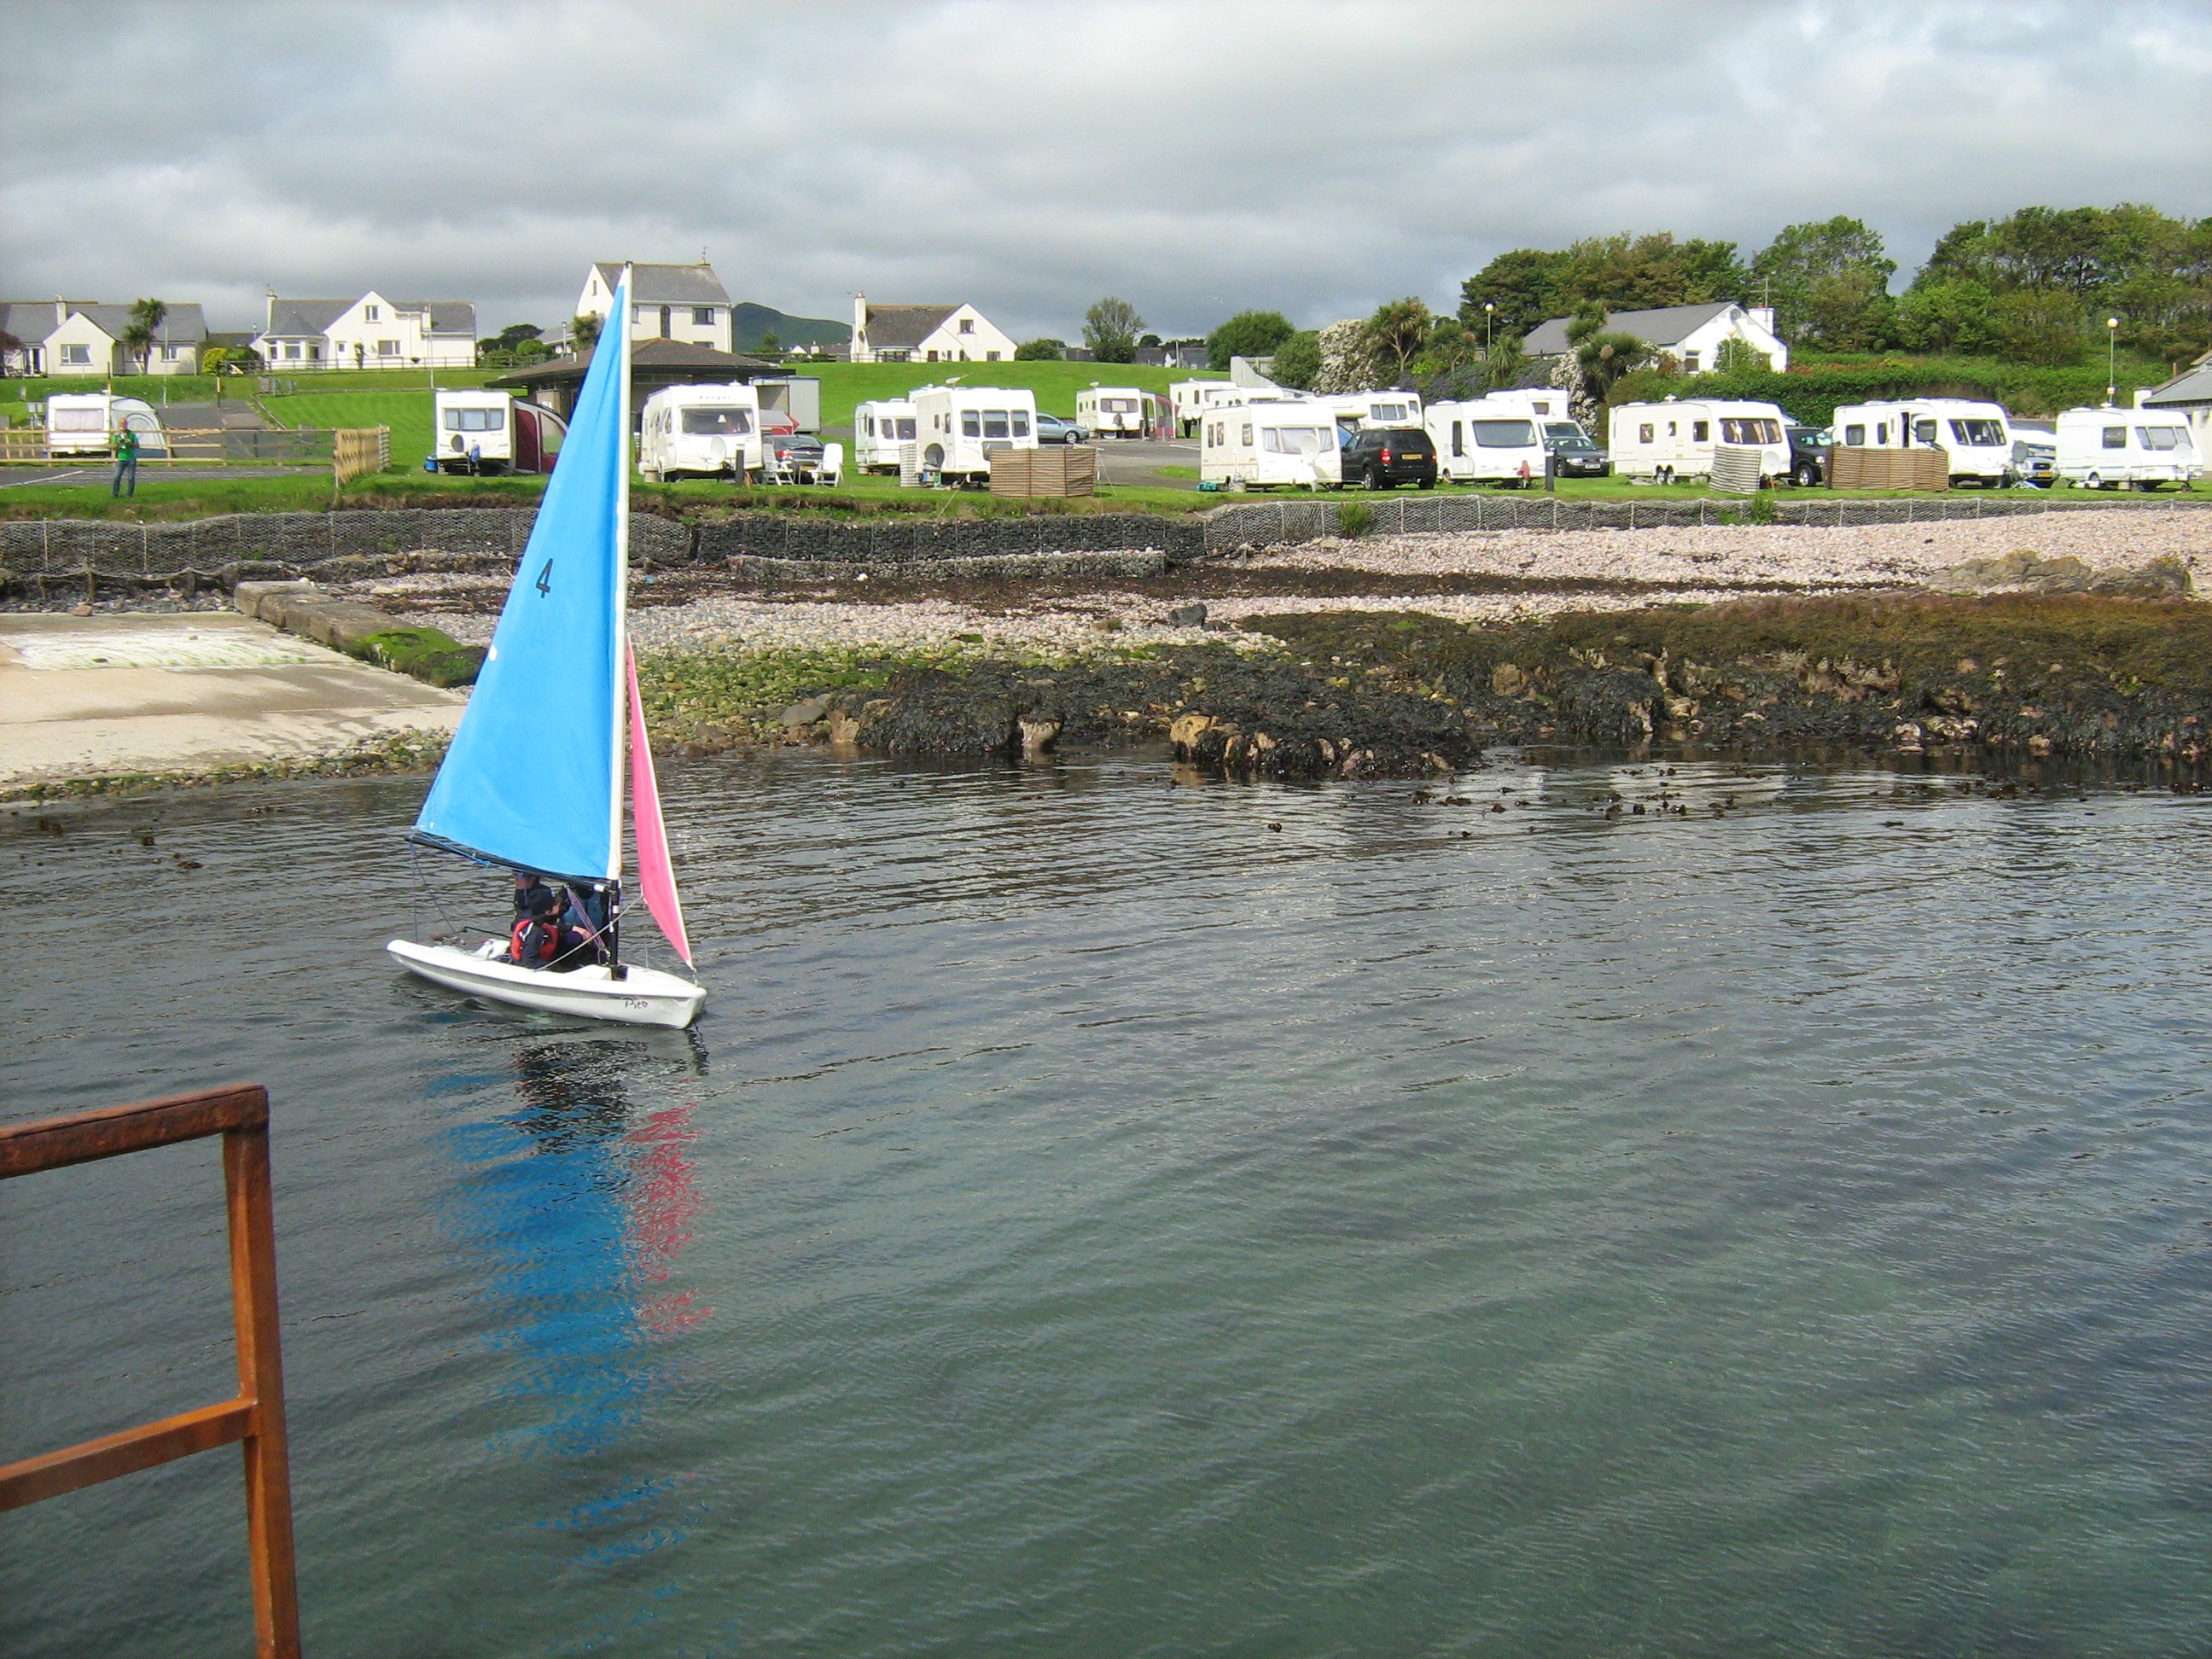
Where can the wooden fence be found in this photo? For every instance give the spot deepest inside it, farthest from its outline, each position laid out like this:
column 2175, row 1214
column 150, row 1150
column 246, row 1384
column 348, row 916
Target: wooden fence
column 356, row 450
column 254, row 1419
column 1060, row 470
column 1888, row 469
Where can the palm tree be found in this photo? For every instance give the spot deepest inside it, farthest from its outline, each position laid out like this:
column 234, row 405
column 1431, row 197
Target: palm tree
column 147, row 317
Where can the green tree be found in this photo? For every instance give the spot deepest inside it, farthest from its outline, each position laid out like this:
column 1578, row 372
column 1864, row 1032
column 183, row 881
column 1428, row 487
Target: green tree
column 1953, row 313
column 147, row 317
column 1637, row 273
column 1110, row 329
column 1829, row 283
column 511, row 338
column 1605, row 355
column 1247, row 334
column 1524, row 287
column 586, row 330
column 1398, row 330
column 2039, row 325
column 1039, row 351
column 1298, row 361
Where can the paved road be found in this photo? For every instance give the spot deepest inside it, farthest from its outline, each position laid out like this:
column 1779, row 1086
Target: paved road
column 85, row 696
column 156, row 472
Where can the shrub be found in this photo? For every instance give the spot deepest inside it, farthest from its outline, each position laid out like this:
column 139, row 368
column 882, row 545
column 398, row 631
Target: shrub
column 1354, row 519
column 1039, row 351
column 1247, row 334
column 1298, row 361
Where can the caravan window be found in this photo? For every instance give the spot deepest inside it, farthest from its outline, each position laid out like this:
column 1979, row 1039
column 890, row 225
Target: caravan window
column 1702, row 431
column 79, row 419
column 2116, row 437
column 971, row 424
column 1751, row 431
column 1923, row 432
column 1118, row 405
column 1644, row 432
column 1459, row 438
column 1294, row 440
column 1388, row 412
column 1854, row 437
column 717, row 422
column 2161, row 437
column 474, row 420
column 905, row 426
column 1881, row 432
column 1247, row 438
column 1021, row 423
column 1503, row 435
column 1981, row 433
column 994, row 423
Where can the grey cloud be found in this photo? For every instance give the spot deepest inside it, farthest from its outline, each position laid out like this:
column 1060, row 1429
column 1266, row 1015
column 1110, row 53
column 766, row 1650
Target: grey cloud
column 1316, row 157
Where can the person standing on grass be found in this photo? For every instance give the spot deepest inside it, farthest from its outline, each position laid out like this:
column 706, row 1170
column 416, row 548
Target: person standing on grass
column 125, row 446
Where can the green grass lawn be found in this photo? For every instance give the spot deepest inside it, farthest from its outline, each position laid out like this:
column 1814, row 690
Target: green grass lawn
column 407, row 413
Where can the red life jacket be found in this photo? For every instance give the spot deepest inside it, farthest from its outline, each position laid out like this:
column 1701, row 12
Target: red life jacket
column 548, row 944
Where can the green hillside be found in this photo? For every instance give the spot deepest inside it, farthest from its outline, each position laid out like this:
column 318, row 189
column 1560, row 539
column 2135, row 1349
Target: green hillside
column 753, row 322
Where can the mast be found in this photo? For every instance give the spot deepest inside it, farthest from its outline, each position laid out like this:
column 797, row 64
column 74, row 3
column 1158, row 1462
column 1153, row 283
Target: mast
column 619, row 657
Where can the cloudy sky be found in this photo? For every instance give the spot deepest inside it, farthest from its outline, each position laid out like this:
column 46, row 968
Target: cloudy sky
column 1195, row 159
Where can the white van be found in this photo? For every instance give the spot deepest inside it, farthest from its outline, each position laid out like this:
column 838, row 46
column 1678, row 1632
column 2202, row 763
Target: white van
column 1975, row 437
column 1269, row 443
column 878, row 430
column 82, row 423
column 1192, row 399
column 473, row 431
column 1117, row 411
column 1672, row 440
column 1371, row 410
column 700, row 432
column 1487, row 438
column 2104, row 448
column 962, row 427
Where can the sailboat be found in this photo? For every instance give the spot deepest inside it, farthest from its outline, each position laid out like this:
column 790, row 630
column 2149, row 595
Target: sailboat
column 534, row 780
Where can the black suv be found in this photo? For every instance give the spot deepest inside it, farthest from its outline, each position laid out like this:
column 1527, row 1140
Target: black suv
column 1808, row 454
column 1385, row 458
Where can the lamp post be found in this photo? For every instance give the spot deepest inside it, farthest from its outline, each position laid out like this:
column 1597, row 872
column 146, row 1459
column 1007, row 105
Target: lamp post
column 1489, row 310
column 2111, row 361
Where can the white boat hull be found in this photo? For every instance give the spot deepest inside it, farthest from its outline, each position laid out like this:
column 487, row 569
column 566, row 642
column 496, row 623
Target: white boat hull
column 644, row 996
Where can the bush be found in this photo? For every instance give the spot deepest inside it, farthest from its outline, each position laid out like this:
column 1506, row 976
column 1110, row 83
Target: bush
column 1039, row 351
column 1298, row 361
column 1247, row 334
column 1354, row 519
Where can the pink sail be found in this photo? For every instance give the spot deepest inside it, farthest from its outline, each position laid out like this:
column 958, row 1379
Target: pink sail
column 656, row 879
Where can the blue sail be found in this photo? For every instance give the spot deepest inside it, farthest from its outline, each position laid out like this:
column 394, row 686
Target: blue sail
column 534, row 779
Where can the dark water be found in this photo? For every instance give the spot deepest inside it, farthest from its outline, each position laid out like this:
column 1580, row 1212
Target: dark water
column 1092, row 1221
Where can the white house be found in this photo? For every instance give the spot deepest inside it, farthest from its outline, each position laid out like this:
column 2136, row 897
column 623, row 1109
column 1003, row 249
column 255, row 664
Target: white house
column 666, row 302
column 1691, row 335
column 370, row 333
column 2188, row 395
column 925, row 334
column 83, row 337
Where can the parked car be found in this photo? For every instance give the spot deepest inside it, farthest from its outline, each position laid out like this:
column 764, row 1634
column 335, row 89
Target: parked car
column 1576, row 456
column 796, row 455
column 1051, row 429
column 1808, row 454
column 1385, row 456
column 2034, row 457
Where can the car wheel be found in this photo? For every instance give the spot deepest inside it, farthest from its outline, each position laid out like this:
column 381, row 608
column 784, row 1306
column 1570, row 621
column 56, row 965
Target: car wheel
column 1807, row 475
column 1428, row 483
column 2092, row 482
column 1372, row 478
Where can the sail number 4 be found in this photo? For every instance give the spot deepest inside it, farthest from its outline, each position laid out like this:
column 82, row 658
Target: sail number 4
column 545, row 582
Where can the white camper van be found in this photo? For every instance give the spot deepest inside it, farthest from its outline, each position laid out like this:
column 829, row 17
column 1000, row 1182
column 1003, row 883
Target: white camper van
column 1372, row 410
column 1268, row 444
column 1673, row 439
column 82, row 423
column 700, row 432
column 1545, row 403
column 1975, row 437
column 1119, row 411
column 962, row 427
column 2104, row 448
column 1487, row 438
column 878, row 430
column 1192, row 399
column 472, row 431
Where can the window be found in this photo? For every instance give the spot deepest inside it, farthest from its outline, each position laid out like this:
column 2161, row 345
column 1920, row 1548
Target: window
column 1118, row 405
column 369, row 315
column 79, row 419
column 703, row 316
column 868, row 424
column 1644, row 432
column 637, row 314
column 1389, row 411
column 1689, row 362
column 1021, row 423
column 1248, row 434
column 476, row 420
column 168, row 354
column 1567, row 430
column 1459, row 438
column 1503, row 435
column 994, row 423
column 1980, row 434
column 1854, row 437
column 967, row 324
column 1294, row 440
column 1923, row 432
column 1673, row 429
column 1751, row 431
column 1701, row 432
column 1881, row 432
column 932, row 356
column 2116, row 437
column 717, row 422
column 990, row 356
column 388, row 347
column 76, row 353
column 971, row 422
column 2162, row 437
column 292, row 349
column 315, row 350
column 905, row 426
column 1541, row 409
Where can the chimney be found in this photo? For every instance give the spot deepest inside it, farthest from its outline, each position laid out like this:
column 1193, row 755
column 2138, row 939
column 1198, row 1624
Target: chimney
column 860, row 354
column 1763, row 315
column 61, row 311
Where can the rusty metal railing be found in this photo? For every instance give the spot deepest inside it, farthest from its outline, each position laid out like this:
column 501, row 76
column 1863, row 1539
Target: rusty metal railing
column 255, row 1417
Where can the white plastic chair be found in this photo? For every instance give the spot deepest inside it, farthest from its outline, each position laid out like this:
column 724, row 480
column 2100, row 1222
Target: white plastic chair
column 833, row 465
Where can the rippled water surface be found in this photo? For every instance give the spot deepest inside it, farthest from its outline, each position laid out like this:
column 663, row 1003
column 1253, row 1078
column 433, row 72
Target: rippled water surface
column 1096, row 1216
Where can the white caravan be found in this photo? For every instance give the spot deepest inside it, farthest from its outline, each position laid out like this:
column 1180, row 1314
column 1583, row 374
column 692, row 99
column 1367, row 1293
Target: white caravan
column 1673, row 439
column 879, row 429
column 1117, row 411
column 962, row 427
column 1268, row 444
column 1546, row 402
column 1369, row 410
column 1192, row 399
column 2104, row 448
column 1975, row 437
column 1487, row 438
column 81, row 423
column 700, row 432
column 473, row 431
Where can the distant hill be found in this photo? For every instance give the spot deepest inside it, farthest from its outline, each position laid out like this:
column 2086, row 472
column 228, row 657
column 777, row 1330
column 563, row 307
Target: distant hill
column 753, row 321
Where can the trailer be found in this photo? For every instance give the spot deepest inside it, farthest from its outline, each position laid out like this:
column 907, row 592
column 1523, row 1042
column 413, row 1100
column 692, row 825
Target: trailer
column 1365, row 410
column 473, row 432
column 700, row 432
column 2142, row 448
column 879, row 429
column 1487, row 439
column 1270, row 444
column 1975, row 437
column 962, row 427
column 85, row 423
column 1123, row 411
column 1192, row 399
column 1675, row 439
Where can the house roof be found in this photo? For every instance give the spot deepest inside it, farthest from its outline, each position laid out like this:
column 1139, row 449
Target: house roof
column 1664, row 326
column 33, row 319
column 2183, row 390
column 665, row 285
column 287, row 318
column 901, row 328
column 697, row 361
